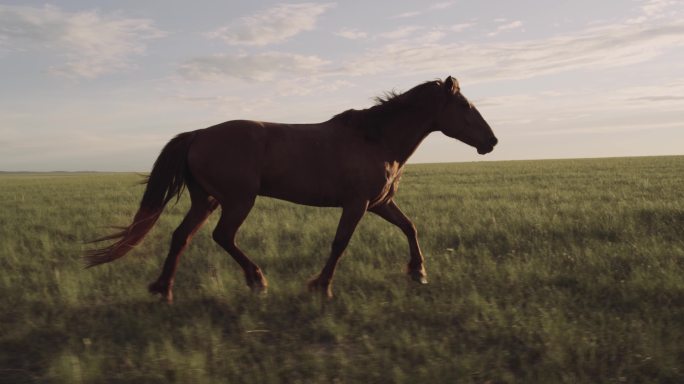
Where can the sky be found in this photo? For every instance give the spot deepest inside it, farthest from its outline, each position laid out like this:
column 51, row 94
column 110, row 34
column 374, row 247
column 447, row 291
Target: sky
column 102, row 86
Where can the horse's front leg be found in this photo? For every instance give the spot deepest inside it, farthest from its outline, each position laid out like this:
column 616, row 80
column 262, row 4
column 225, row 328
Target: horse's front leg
column 351, row 215
column 391, row 212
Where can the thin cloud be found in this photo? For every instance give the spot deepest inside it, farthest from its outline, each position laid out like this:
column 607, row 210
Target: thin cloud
column 517, row 24
column 654, row 8
column 273, row 25
column 589, row 110
column 460, row 27
column 254, row 67
column 418, row 50
column 659, row 99
column 92, row 44
column 603, row 129
column 433, row 7
column 666, row 96
column 423, row 35
column 351, row 34
column 595, row 48
column 442, row 5
column 401, row 32
column 406, row 15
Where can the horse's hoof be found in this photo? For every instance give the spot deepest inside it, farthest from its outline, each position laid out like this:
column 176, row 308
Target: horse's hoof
column 324, row 289
column 157, row 287
column 419, row 277
column 161, row 289
column 259, row 288
column 258, row 284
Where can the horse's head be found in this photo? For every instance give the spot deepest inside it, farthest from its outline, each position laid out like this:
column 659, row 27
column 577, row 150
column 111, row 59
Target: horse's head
column 459, row 119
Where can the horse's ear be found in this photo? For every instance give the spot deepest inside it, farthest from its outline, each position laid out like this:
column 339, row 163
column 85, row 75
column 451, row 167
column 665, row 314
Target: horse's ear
column 451, row 85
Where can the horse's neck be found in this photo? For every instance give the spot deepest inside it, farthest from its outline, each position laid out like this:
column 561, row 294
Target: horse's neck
column 403, row 135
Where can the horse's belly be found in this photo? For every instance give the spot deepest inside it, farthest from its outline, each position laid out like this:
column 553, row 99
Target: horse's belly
column 330, row 184
column 319, row 167
column 302, row 185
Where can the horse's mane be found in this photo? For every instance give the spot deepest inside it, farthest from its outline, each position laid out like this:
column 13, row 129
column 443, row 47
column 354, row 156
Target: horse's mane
column 371, row 121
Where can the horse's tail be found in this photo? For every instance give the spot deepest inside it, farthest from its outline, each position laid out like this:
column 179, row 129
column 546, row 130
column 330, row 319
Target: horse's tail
column 166, row 181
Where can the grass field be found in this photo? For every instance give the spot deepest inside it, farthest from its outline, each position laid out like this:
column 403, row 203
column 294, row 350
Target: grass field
column 567, row 271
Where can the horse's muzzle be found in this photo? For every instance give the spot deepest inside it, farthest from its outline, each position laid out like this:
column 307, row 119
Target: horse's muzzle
column 485, row 149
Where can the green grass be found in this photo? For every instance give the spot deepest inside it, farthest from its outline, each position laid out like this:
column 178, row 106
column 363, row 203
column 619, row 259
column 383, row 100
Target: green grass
column 568, row 271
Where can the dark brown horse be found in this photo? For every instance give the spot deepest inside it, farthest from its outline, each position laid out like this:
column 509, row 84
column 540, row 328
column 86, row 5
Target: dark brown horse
column 353, row 161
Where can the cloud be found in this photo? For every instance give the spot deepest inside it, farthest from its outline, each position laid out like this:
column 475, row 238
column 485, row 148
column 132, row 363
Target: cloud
column 442, row 5
column 433, row 7
column 460, row 27
column 593, row 48
column 654, row 8
column 351, row 34
column 658, row 99
column 667, row 96
column 416, row 33
column 254, row 67
column 418, row 50
column 273, row 25
column 605, row 128
column 589, row 110
column 657, row 9
column 92, row 44
column 401, row 32
column 406, row 15
column 517, row 24
column 435, row 51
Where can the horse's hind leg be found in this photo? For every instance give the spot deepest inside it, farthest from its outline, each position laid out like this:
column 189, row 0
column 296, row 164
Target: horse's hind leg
column 233, row 214
column 201, row 207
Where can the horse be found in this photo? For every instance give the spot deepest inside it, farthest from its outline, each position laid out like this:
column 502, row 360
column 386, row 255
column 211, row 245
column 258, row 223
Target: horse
column 353, row 161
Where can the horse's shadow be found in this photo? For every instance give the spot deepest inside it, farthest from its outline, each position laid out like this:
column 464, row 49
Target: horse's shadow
column 26, row 355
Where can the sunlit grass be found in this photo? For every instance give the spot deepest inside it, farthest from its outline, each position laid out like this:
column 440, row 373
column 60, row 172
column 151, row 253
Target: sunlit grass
column 540, row 271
